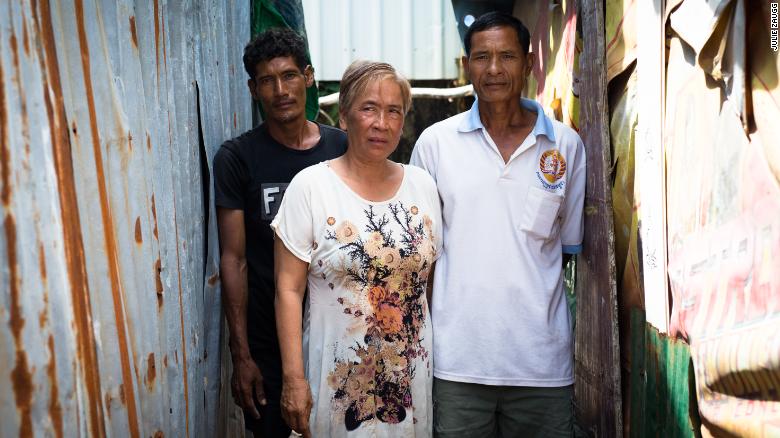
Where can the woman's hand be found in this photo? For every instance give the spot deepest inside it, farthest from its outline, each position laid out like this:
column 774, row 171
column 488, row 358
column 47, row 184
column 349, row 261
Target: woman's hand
column 296, row 405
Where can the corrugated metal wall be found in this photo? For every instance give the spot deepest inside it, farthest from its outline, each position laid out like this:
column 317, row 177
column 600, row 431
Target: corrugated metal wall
column 419, row 38
column 109, row 303
column 716, row 372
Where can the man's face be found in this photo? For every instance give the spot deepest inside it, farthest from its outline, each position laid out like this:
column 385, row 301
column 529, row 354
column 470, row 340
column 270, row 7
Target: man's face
column 280, row 87
column 497, row 66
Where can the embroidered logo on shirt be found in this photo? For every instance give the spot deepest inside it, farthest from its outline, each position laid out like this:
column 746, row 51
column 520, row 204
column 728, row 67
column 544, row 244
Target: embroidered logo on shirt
column 552, row 167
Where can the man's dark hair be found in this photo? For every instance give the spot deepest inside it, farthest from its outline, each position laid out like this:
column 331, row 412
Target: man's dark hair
column 494, row 19
column 274, row 43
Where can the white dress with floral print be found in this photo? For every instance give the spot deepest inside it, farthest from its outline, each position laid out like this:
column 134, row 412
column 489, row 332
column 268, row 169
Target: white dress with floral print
column 366, row 329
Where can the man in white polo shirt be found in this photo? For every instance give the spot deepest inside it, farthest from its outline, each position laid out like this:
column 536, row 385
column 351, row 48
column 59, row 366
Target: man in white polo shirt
column 512, row 183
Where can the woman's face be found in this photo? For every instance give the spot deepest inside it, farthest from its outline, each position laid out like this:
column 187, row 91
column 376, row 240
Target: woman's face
column 375, row 120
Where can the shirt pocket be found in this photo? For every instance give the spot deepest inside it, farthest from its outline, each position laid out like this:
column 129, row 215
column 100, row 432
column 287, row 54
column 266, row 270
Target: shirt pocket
column 540, row 212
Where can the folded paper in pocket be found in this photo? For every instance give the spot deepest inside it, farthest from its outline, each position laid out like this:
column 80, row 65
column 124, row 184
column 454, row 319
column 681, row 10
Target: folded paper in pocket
column 541, row 211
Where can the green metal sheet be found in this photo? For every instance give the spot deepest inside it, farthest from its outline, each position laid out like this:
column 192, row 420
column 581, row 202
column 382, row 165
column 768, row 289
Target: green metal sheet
column 663, row 399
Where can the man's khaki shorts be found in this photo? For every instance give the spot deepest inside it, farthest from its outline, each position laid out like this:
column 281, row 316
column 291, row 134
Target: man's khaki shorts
column 469, row 410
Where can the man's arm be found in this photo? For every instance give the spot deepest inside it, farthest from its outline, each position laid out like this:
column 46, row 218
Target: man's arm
column 233, row 270
column 573, row 220
column 424, row 153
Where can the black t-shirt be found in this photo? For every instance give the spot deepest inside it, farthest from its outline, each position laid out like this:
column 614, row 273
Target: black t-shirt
column 251, row 173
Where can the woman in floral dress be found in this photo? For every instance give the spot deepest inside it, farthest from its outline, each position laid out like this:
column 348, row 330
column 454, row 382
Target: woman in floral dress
column 361, row 233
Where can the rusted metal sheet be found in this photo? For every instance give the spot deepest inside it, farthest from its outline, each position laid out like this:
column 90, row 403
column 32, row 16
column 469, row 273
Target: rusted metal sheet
column 724, row 238
column 724, row 211
column 109, row 292
column 720, row 130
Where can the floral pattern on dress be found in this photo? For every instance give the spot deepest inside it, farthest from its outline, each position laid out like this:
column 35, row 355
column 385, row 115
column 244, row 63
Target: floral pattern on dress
column 387, row 276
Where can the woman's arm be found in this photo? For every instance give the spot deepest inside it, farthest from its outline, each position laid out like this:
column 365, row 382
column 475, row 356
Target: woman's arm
column 290, row 274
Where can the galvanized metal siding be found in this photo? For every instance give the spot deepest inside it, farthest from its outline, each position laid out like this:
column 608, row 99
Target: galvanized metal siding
column 420, row 38
column 109, row 301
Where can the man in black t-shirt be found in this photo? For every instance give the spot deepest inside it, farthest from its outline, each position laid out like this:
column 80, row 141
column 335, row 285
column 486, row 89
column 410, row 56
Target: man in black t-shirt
column 251, row 173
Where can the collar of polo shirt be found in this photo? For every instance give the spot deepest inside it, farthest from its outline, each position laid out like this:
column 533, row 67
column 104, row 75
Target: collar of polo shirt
column 543, row 125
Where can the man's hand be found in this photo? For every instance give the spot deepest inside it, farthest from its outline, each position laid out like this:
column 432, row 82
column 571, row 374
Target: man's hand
column 296, row 405
column 247, row 385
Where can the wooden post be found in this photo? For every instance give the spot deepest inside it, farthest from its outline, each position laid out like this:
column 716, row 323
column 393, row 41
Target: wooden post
column 597, row 349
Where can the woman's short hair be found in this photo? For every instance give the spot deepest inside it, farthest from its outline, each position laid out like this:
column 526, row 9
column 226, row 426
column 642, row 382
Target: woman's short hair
column 361, row 73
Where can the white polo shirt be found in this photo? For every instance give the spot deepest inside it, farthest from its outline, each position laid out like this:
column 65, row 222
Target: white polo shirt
column 499, row 314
